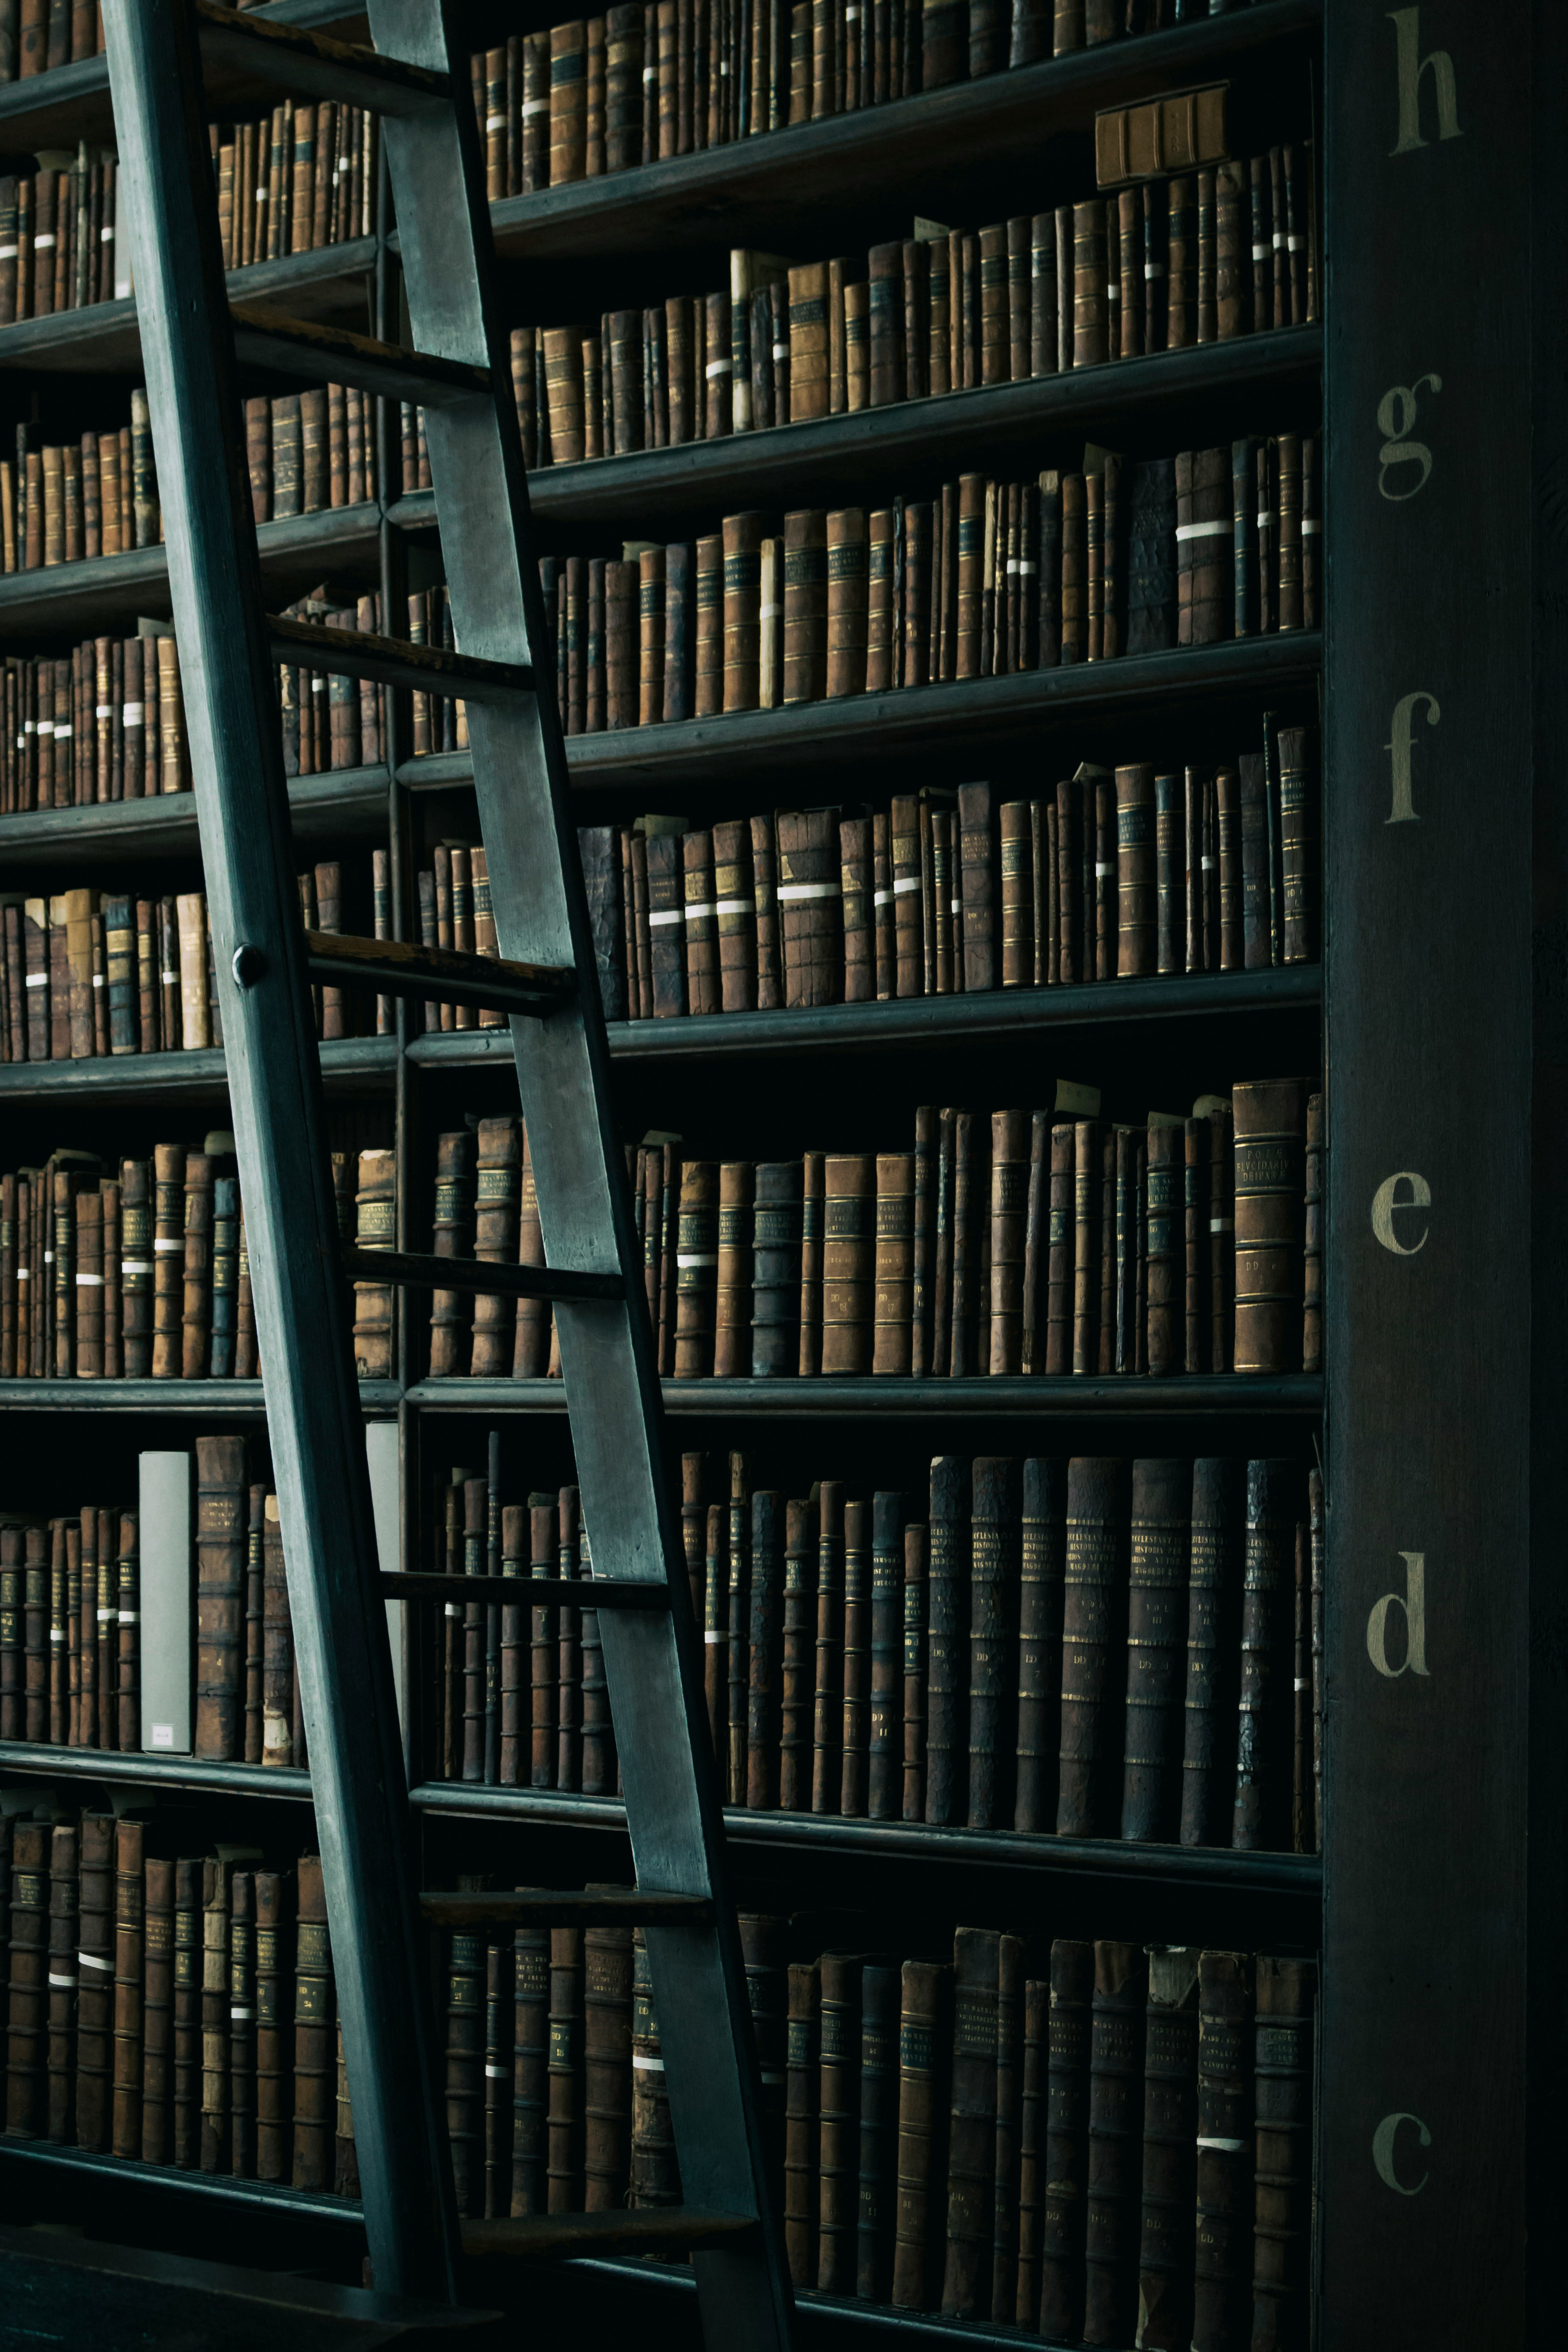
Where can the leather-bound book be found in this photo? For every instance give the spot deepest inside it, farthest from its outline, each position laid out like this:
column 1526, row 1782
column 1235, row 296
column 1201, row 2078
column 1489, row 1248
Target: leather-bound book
column 452, row 1236
column 278, row 1702
column 12, row 1543
column 186, row 2035
column 666, row 920
column 977, row 885
column 884, row 273
column 838, row 2122
column 655, row 2167
column 60, row 2046
column 1116, row 2076
column 1222, row 2260
column 1032, row 2182
column 971, row 1229
column 650, row 635
column 1060, row 1255
column 847, row 604
column 914, row 1673
column 764, row 887
column 813, row 1177
column 1165, row 1247
column 156, row 2081
column 923, row 1260
column 802, row 2110
column 1298, row 845
column 1197, row 1241
column 971, row 2142
column 607, row 2054
column 1170, row 874
column 733, row 1309
column 1301, row 1704
column 569, row 1647
column 890, row 1351
column 883, row 1783
column 1158, row 1622
column 1093, row 1629
column 828, row 1713
column 125, row 2138
column 1086, row 1247
column 1208, row 545
column 808, row 324
column 28, row 1996
column 464, row 2079
column 764, row 1649
column 498, row 1200
column 1286, row 1991
column 798, row 1679
column 1017, row 894
column 1074, row 640
column 220, row 1596
column 241, row 1991
column 1222, row 1228
column 848, row 1263
column 878, row 2135
column 994, row 1560
column 1270, row 1191
column 568, row 101
column 857, row 979
column 925, row 2042
column 735, row 915
column 965, row 624
column 88, row 1301
column 1312, row 1284
column 806, row 605
column 376, row 1207
column 738, row 1617
column 168, row 1258
column 515, row 1712
column 1263, row 1749
column 1088, row 315
column 542, row 1652
column 1255, row 861
column 1170, row 2124
column 1011, row 1137
column 810, row 897
column 530, row 2055
column 1244, row 583
column 1009, row 2106
column 855, row 1757
column 947, row 1647
column 95, row 1981
column 715, row 1633
column 532, row 1342
column 216, row 2145
column 708, row 632
column 473, row 1634
column 599, row 846
column 776, row 1269
column 742, row 584
column 1042, row 1568
column 621, row 641
column 272, row 1894
column 697, row 1260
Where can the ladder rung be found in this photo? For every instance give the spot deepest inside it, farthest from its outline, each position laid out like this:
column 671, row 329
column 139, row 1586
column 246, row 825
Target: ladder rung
column 534, row 1591
column 417, row 1273
column 398, row 968
column 656, row 2228
column 617, row 1906
column 269, row 337
column 392, row 661
column 313, row 65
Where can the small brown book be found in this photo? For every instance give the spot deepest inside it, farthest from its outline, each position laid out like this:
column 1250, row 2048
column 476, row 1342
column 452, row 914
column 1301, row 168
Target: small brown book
column 848, row 1263
column 846, row 603
column 894, row 1263
column 733, row 1312
column 806, row 605
column 220, row 1596
column 1270, row 1197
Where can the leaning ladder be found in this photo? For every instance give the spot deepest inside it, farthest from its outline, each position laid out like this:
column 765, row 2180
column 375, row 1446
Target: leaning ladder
column 544, row 978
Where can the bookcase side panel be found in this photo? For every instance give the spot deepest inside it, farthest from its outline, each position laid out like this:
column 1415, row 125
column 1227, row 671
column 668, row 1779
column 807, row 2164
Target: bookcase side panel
column 1428, row 773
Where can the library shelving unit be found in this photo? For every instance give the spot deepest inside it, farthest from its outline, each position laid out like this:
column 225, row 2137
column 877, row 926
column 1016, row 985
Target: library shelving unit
column 1436, row 1907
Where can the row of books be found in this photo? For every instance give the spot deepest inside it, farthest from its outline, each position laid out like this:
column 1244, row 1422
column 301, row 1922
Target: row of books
column 942, row 310
column 674, row 76
column 97, row 496
column 309, row 450
column 59, row 241
column 1093, row 1647
column 143, row 1274
column 331, row 721
column 1117, row 875
column 88, row 975
column 177, row 2010
column 34, row 37
column 106, row 722
column 301, row 178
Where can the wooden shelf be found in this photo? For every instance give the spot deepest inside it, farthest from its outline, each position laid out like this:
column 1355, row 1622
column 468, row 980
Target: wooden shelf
column 57, row 109
column 912, row 1842
column 378, row 1398
column 828, row 454
column 782, row 190
column 128, row 1768
column 349, row 1065
column 965, row 714
column 101, row 590
column 346, row 802
column 1293, row 1394
column 913, row 1021
column 221, row 2185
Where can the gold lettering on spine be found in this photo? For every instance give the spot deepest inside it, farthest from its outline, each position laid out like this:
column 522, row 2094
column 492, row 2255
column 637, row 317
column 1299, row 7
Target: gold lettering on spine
column 1387, row 2132
column 1397, row 412
column 1410, row 67
column 1412, row 1606
column 1388, row 1202
column 1401, row 748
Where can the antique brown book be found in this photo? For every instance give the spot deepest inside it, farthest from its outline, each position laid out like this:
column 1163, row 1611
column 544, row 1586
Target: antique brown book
column 808, row 341
column 857, row 1670
column 735, row 915
column 1222, row 2260
column 1157, row 1621
column 272, row 1902
column 776, row 1268
column 1135, row 895
column 1165, row 1257
column 884, row 1780
column 992, row 1653
column 810, row 901
column 240, row 1989
column 1042, row 1568
column 497, row 1200
column 739, row 1614
column 914, row 1675
column 802, row 2111
column 848, row 1263
column 827, row 1711
column 655, row 2168
column 879, row 2132
column 972, row 2144
column 606, row 2055
column 95, row 1981
column 1298, row 845
column 806, row 605
column 221, row 1519
column 1011, row 1136
column 838, row 2122
column 1116, row 2074
column 149, row 2117
column 278, row 1705
column 1286, row 1994
column 185, row 2038
column 697, row 1261
column 765, row 885
column 452, row 1236
column 1169, row 2124
column 531, row 2042
column 732, row 1311
column 1094, row 1619
column 1270, row 1184
column 925, row 2042
column 28, row 2008
column 894, row 1263
column 862, row 943
column 315, row 2039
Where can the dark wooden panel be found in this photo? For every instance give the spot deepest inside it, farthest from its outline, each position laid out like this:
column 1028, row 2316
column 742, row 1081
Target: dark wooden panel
column 345, row 802
column 1428, row 994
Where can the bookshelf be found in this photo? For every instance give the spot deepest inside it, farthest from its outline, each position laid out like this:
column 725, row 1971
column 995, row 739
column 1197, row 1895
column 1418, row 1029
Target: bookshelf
column 1436, row 1943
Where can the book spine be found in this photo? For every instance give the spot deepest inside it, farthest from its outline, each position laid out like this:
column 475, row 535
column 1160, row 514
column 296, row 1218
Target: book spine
column 1269, row 1199
column 993, row 1664
column 925, row 2034
column 272, row 1892
column 1282, row 2176
column 855, row 1757
column 947, row 1644
column 838, row 2124
column 972, row 2144
column 606, row 2071
column 802, row 2112
column 764, row 1691
column 1115, row 2070
column 1042, row 1567
column 776, row 1268
column 739, row 1609
column 798, row 1647
column 221, row 1519
column 1222, row 2260
column 848, row 1263
column 878, row 2135
column 1262, row 1771
column 1094, row 1605
column 1162, row 1500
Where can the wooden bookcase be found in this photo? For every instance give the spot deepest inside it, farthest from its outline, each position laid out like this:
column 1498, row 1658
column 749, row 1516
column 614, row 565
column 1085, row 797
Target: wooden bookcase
column 1437, row 1904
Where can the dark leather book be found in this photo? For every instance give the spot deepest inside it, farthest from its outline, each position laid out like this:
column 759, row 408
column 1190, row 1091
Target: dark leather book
column 667, row 918
column 914, row 1673
column 805, row 590
column 1195, row 1245
column 764, row 885
column 151, row 2111
column 1222, row 1228
column 925, row 2044
column 215, row 2146
column 621, row 639
column 1135, row 872
column 600, row 850
column 1009, row 2113
column 1116, row 2076
column 828, row 1716
column 1317, row 1540
column 1042, row 1564
column 564, row 2120
column 1088, row 317
column 802, row 2110
column 847, row 603
column 1286, row 1998
column 732, row 1310
column 1253, row 796
column 1204, row 506
column 650, row 635
column 1165, row 1247
column 810, row 895
column 971, row 1235
column 1262, row 1750
column 884, row 1779
column 543, row 1729
column 13, row 1549
column 515, row 1723
column 186, row 2041
column 765, row 1649
column 196, row 1264
column 569, row 1647
column 1269, row 1206
column 735, row 915
column 532, row 1329
column 707, row 634
column 894, row 1263
column 884, row 273
column 28, row 1996
column 1093, row 1630
column 884, row 560
column 947, row 1644
column 995, row 1535
column 607, row 2066
column 839, row 2123
column 1074, row 544
column 1032, row 2186
column 655, row 2167
column 1169, row 2124
column 977, row 884
column 854, row 1762
column 278, row 1708
column 966, row 568
column 848, row 1259
column 241, row 1993
column 741, row 623
column 1170, row 874
column 776, row 1268
column 878, row 2131
column 95, row 1979
column 697, row 1263
column 220, row 1596
column 530, row 1981
column 716, row 1633
column 799, row 1656
column 37, row 1618
column 1302, row 1840
column 922, row 1300
column 972, row 2141
column 858, row 982
column 60, row 2045
column 271, row 1905
column 1213, row 1599
column 738, row 1617
column 1222, row 2259
column 497, row 1195
column 1018, row 894
column 1298, row 845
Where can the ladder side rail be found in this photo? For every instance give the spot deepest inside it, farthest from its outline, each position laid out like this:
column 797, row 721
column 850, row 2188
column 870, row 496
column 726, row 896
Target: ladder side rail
column 312, row 1405
column 653, row 1667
